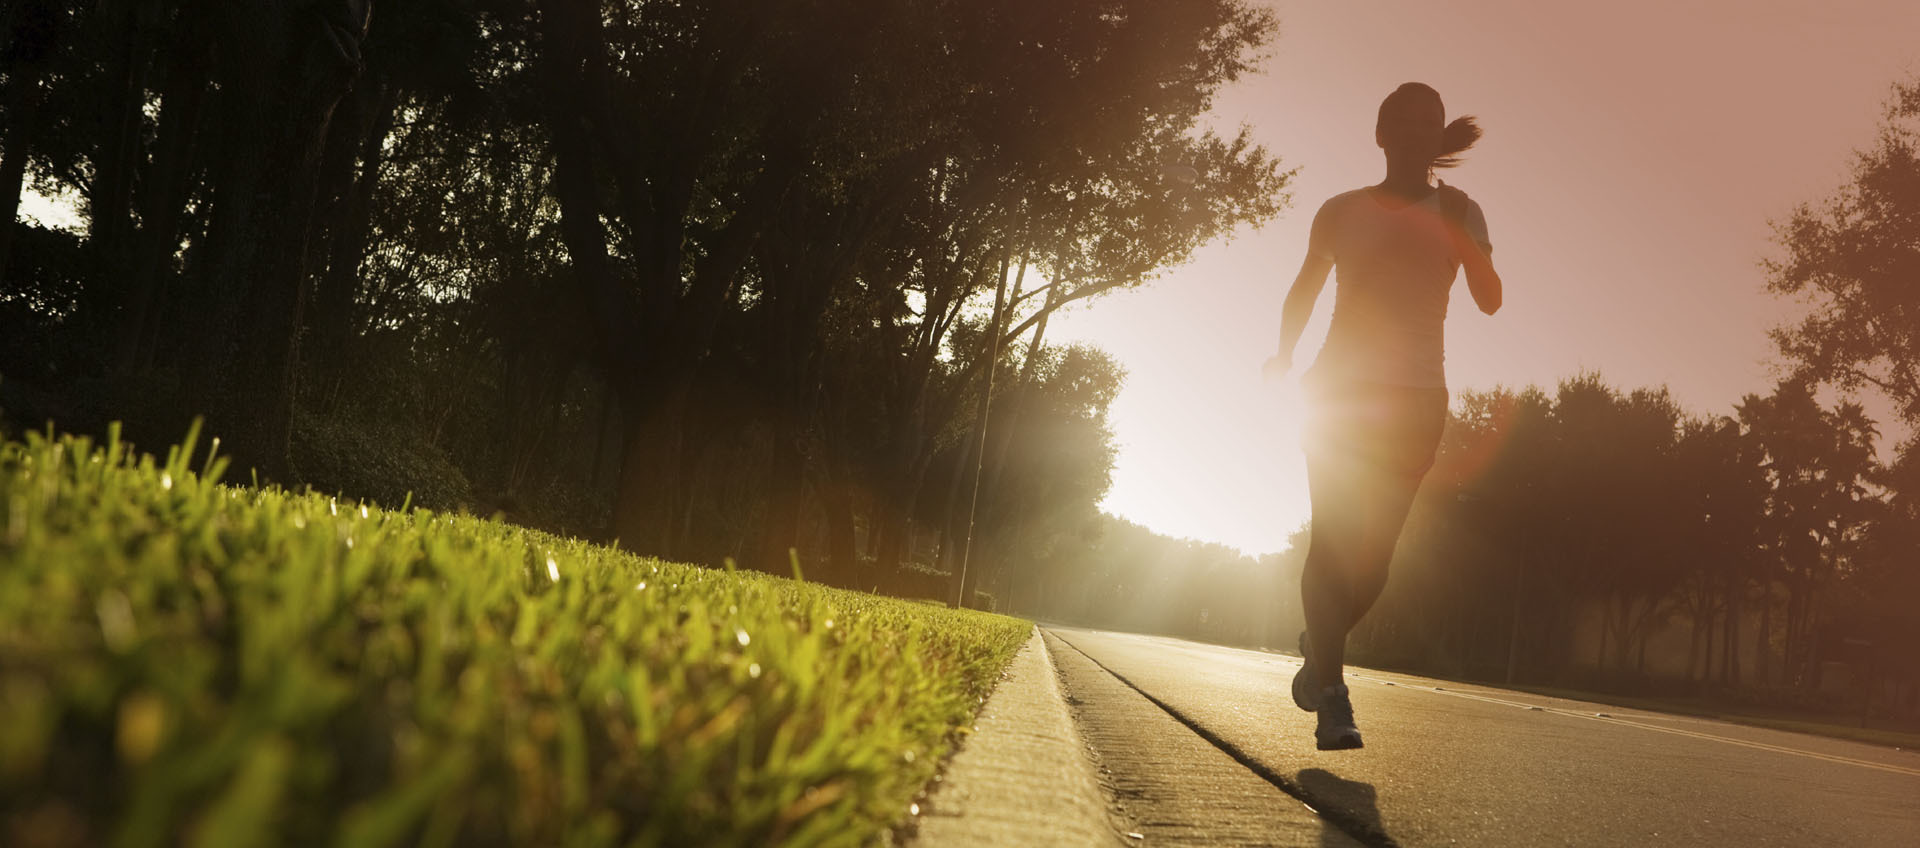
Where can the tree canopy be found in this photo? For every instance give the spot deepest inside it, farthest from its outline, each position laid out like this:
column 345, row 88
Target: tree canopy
column 718, row 281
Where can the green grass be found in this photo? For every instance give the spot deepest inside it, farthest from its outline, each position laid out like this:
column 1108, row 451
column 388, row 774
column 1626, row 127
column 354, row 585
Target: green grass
column 184, row 662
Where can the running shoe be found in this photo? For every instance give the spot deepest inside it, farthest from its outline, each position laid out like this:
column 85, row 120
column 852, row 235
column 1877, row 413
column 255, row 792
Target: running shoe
column 1306, row 693
column 1336, row 731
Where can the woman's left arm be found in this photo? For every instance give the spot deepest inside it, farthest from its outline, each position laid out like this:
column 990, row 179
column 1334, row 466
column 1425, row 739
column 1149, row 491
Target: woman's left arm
column 1467, row 229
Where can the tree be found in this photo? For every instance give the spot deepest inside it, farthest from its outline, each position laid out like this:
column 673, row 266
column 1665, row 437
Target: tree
column 1043, row 115
column 34, row 30
column 1878, row 612
column 1818, row 463
column 1856, row 258
column 1058, row 466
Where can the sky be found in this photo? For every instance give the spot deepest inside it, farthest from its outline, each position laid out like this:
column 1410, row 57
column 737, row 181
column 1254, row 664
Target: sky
column 1635, row 154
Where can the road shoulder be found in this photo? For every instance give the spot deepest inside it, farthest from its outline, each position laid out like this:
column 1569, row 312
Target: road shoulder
column 1023, row 776
column 1178, row 787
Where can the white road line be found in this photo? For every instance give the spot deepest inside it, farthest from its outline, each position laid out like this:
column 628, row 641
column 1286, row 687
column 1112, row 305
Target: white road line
column 1762, row 746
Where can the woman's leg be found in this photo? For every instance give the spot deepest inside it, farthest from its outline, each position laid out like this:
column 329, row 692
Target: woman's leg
column 1360, row 505
column 1351, row 545
column 1327, row 581
column 1389, row 499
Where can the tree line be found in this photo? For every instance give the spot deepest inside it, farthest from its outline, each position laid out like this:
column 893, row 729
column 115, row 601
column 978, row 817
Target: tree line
column 716, row 280
column 1562, row 532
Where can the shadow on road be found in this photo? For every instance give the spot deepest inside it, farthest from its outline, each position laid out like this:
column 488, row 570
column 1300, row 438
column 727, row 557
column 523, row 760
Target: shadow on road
column 1351, row 803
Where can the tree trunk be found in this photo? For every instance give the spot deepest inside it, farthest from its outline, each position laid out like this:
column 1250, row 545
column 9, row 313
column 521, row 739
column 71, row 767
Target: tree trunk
column 360, row 140
column 1730, row 631
column 277, row 295
column 1009, row 426
column 786, row 483
column 606, row 420
column 23, row 119
column 895, row 528
column 954, row 528
column 163, row 196
column 1644, row 630
column 34, row 32
column 799, row 284
column 110, row 193
column 842, row 536
column 654, row 364
column 1809, row 660
column 281, row 75
column 1703, row 631
column 898, row 505
column 647, row 504
column 1606, row 622
column 575, row 181
column 1790, row 650
column 1513, row 626
column 1624, row 632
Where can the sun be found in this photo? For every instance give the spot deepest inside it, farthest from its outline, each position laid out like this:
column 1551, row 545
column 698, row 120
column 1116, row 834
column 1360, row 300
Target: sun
column 1228, row 470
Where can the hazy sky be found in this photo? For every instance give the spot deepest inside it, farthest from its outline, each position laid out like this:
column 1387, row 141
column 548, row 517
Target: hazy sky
column 1634, row 154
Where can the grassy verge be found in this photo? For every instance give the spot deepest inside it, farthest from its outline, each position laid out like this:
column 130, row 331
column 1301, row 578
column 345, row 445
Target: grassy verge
column 183, row 662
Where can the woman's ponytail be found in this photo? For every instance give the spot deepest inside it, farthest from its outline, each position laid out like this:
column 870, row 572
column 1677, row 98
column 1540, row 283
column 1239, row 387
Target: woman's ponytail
column 1455, row 139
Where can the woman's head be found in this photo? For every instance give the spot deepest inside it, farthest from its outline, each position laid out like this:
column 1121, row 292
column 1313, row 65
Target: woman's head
column 1413, row 124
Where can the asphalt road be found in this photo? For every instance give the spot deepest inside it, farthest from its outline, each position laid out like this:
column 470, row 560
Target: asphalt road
column 1448, row 764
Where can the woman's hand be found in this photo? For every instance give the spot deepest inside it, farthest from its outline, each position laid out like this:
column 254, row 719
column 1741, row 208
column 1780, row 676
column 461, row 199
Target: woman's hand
column 1276, row 367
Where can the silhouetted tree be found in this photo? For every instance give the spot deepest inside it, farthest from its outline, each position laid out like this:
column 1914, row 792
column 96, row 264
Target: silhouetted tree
column 1852, row 258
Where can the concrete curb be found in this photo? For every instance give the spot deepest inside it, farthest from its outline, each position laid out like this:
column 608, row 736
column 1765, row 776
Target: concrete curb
column 1023, row 776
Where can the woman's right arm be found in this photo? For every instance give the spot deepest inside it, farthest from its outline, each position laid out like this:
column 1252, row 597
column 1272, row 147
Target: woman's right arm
column 1306, row 289
column 1298, row 308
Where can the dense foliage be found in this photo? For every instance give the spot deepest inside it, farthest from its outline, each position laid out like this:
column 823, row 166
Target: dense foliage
column 716, row 280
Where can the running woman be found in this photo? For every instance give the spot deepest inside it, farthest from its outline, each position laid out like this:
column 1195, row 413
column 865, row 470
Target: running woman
column 1377, row 391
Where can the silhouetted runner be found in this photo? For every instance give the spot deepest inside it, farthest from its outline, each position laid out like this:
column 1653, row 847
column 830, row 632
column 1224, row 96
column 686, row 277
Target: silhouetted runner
column 1377, row 391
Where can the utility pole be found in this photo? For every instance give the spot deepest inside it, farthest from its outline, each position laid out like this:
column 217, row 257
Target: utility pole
column 980, row 431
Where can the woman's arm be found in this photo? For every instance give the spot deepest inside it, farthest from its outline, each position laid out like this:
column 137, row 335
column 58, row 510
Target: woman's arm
column 1467, row 227
column 1482, row 281
column 1306, row 289
column 1297, row 309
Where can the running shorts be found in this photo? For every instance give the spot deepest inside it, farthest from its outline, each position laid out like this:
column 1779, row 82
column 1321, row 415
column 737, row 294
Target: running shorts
column 1394, row 429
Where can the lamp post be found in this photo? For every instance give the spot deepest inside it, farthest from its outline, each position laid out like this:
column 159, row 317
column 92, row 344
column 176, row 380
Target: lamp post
column 980, row 435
